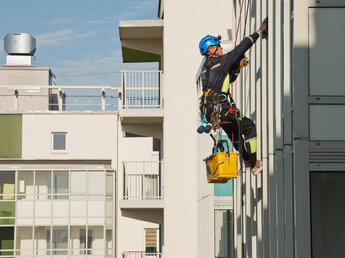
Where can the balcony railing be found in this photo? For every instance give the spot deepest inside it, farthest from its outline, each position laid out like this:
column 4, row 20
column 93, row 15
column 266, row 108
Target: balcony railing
column 141, row 255
column 27, row 98
column 142, row 89
column 142, row 180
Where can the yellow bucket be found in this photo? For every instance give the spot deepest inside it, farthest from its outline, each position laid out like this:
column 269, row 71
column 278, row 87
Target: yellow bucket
column 221, row 166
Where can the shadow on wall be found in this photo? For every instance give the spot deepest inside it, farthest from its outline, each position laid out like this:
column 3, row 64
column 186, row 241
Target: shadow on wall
column 153, row 216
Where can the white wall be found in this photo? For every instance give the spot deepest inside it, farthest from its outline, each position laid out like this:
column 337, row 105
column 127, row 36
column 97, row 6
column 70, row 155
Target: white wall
column 89, row 136
column 185, row 23
column 132, row 223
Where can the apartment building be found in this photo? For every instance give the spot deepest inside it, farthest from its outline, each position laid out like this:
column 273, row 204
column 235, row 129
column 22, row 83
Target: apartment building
column 61, row 150
column 196, row 216
column 293, row 90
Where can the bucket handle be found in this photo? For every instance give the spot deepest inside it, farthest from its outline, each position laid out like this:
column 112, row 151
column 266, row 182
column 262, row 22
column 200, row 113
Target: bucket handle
column 209, row 169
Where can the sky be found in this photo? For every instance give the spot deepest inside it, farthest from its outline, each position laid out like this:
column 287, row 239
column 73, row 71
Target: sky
column 78, row 39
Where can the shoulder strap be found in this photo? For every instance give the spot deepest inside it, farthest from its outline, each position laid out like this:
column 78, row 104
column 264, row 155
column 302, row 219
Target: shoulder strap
column 209, row 63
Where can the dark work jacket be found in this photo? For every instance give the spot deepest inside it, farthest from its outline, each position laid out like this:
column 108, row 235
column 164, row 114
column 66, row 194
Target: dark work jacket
column 225, row 64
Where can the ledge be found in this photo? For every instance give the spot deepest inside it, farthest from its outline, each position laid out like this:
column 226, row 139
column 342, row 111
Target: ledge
column 141, row 204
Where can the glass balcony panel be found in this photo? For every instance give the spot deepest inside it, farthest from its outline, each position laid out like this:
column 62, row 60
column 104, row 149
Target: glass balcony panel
column 7, row 185
column 60, row 184
column 78, row 240
column 109, row 242
column 24, row 241
column 78, row 182
column 95, row 241
column 109, row 184
column 42, row 240
column 6, row 241
column 43, row 182
column 25, row 185
column 96, row 182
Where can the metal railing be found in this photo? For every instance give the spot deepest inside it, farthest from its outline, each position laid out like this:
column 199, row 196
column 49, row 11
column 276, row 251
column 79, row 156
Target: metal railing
column 142, row 89
column 61, row 252
column 134, row 254
column 142, row 180
column 27, row 98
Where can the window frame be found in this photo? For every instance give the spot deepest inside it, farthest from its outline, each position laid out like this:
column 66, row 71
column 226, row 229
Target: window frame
column 52, row 142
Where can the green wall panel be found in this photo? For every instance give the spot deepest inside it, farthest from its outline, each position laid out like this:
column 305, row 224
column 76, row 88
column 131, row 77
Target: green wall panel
column 130, row 55
column 7, row 209
column 10, row 136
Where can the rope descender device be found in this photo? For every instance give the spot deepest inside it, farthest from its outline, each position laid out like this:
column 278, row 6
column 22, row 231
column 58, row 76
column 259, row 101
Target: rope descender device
column 244, row 62
column 204, row 129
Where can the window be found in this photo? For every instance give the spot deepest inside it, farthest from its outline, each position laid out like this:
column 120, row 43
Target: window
column 327, row 194
column 151, row 240
column 85, row 246
column 61, row 184
column 326, row 69
column 59, row 245
column 223, row 233
column 59, row 142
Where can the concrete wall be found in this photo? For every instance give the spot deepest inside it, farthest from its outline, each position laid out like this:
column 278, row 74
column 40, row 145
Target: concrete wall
column 24, row 75
column 131, row 223
column 30, row 99
column 264, row 204
column 89, row 136
column 185, row 23
column 281, row 92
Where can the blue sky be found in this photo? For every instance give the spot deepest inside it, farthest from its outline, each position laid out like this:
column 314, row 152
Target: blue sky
column 76, row 37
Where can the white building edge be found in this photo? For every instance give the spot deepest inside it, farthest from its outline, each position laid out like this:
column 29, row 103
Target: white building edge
column 293, row 91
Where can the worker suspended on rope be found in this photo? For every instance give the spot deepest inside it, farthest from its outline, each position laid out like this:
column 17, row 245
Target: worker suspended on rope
column 218, row 71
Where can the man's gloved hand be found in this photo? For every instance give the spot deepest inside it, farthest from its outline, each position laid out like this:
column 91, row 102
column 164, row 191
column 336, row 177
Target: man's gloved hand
column 263, row 25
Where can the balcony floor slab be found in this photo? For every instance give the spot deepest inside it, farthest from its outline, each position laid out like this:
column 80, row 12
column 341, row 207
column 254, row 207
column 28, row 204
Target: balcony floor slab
column 141, row 116
column 141, row 204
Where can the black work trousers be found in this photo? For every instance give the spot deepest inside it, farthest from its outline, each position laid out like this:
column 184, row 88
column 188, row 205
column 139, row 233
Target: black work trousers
column 248, row 132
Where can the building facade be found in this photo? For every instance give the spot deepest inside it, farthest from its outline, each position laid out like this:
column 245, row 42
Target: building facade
column 64, row 165
column 283, row 212
column 196, row 216
column 287, row 92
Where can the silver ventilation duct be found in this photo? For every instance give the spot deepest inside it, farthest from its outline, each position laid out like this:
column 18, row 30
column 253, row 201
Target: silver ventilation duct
column 19, row 44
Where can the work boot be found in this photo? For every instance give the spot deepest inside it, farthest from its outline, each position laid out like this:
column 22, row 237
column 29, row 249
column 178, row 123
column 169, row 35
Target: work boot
column 257, row 168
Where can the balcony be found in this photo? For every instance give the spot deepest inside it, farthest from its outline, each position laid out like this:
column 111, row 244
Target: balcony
column 142, row 185
column 141, row 40
column 134, row 254
column 142, row 101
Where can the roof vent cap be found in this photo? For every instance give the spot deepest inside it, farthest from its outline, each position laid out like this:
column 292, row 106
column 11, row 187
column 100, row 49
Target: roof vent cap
column 20, row 44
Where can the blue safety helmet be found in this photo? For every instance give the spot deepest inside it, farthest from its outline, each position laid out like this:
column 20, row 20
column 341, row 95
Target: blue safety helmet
column 207, row 41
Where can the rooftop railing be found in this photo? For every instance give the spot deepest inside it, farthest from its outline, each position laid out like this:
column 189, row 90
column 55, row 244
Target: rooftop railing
column 142, row 89
column 133, row 254
column 142, row 180
column 139, row 90
column 27, row 98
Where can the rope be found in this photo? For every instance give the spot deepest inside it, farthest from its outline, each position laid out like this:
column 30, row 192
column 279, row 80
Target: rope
column 245, row 20
column 232, row 87
column 232, row 84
